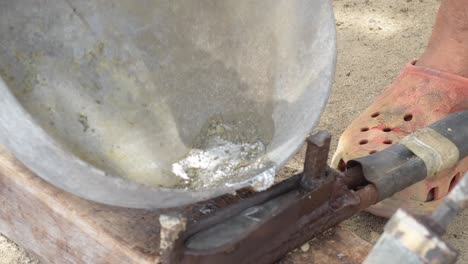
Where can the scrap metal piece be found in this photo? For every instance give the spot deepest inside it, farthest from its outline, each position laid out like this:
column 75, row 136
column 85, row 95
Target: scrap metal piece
column 455, row 202
column 407, row 240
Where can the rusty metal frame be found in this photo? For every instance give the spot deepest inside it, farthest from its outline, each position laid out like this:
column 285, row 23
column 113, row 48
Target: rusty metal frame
column 303, row 206
column 265, row 226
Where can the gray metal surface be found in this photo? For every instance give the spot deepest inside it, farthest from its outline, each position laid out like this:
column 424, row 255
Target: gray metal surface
column 100, row 97
column 453, row 204
column 407, row 240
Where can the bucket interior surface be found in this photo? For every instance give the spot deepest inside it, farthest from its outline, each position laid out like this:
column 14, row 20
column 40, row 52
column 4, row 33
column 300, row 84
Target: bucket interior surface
column 131, row 88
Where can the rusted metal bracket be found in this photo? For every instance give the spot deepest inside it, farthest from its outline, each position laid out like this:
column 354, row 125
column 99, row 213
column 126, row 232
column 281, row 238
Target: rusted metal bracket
column 267, row 225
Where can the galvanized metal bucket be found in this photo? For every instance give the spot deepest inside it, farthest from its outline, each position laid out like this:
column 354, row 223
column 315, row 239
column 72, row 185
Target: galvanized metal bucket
column 104, row 98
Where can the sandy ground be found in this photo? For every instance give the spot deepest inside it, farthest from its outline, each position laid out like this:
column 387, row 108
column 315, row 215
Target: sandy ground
column 375, row 39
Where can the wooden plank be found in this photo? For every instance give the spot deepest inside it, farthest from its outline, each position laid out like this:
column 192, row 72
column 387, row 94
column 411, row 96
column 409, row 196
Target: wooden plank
column 62, row 228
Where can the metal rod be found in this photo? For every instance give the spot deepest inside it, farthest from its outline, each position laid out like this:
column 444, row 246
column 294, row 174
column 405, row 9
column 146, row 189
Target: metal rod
column 316, row 158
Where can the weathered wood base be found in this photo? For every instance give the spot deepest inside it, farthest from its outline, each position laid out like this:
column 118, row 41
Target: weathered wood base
column 62, row 228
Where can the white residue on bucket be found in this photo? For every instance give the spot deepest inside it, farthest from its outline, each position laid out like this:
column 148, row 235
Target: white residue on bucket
column 264, row 180
column 219, row 162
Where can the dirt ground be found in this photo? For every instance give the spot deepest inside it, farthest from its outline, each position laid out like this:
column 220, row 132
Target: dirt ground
column 375, row 39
